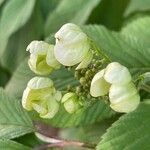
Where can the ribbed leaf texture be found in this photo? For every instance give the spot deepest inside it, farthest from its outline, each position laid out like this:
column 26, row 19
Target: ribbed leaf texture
column 130, row 132
column 117, row 47
column 14, row 120
column 95, row 112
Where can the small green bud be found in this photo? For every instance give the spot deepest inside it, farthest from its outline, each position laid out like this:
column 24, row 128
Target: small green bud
column 124, row 98
column 78, row 89
column 72, row 46
column 71, row 102
column 115, row 73
column 42, row 60
column 82, row 81
column 99, row 86
column 41, row 96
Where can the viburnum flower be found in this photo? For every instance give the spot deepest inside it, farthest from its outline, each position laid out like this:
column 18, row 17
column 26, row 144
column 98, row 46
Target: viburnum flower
column 99, row 86
column 42, row 60
column 115, row 79
column 124, row 98
column 41, row 96
column 72, row 46
column 116, row 73
column 71, row 102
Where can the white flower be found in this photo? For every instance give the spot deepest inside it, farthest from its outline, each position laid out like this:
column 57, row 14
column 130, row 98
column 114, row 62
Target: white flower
column 71, row 102
column 124, row 98
column 115, row 73
column 72, row 45
column 99, row 86
column 42, row 60
column 41, row 96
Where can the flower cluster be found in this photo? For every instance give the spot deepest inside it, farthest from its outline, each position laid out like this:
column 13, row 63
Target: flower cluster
column 73, row 47
column 116, row 80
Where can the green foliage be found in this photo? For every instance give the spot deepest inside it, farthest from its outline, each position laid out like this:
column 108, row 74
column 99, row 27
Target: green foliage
column 14, row 120
column 137, row 6
column 139, row 29
column 130, row 132
column 9, row 24
column 118, row 47
column 18, row 41
column 103, row 16
column 69, row 11
column 94, row 112
column 88, row 133
column 29, row 140
column 11, row 145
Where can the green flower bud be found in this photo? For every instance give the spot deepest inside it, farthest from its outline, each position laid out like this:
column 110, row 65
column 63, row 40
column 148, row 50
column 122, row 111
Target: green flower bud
column 42, row 60
column 72, row 46
column 124, row 98
column 41, row 96
column 71, row 102
column 115, row 73
column 99, row 86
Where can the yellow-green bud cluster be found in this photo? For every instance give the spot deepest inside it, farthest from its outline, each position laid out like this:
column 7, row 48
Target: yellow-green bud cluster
column 41, row 96
column 116, row 80
column 72, row 47
column 71, row 102
column 42, row 60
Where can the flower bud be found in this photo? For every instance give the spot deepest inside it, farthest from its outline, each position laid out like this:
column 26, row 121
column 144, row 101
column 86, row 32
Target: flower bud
column 41, row 96
column 71, row 102
column 99, row 86
column 72, row 45
column 115, row 73
column 42, row 60
column 124, row 98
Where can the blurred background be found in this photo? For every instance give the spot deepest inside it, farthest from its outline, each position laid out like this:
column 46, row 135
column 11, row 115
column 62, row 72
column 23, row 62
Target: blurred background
column 22, row 21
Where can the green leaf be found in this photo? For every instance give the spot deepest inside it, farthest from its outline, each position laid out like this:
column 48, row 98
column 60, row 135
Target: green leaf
column 19, row 79
column 23, row 74
column 120, row 48
column 15, row 14
column 75, row 11
column 89, row 133
column 4, row 76
column 139, row 29
column 14, row 120
column 109, row 13
column 11, row 145
column 47, row 6
column 1, row 1
column 29, row 140
column 137, row 5
column 94, row 112
column 15, row 50
column 130, row 132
